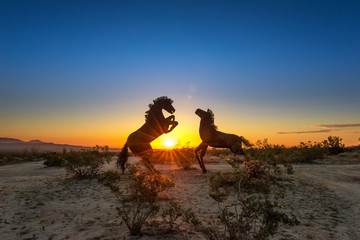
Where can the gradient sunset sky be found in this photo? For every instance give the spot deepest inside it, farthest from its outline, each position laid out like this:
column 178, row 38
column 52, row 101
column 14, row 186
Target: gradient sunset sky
column 84, row 72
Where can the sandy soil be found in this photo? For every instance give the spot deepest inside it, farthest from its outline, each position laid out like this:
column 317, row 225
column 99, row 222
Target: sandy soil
column 45, row 203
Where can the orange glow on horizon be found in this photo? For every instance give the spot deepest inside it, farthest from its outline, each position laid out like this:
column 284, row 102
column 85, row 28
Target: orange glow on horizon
column 102, row 128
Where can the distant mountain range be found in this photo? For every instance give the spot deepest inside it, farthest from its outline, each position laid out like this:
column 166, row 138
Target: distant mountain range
column 17, row 145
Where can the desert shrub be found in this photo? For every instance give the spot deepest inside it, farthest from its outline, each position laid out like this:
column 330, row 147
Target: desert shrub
column 334, row 145
column 253, row 217
column 272, row 156
column 248, row 205
column 111, row 179
column 265, row 151
column 53, row 159
column 252, row 176
column 171, row 214
column 184, row 157
column 139, row 198
column 218, row 152
column 189, row 216
column 140, row 203
column 87, row 163
column 306, row 152
column 20, row 157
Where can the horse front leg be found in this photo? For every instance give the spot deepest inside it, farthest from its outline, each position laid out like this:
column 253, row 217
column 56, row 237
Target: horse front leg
column 170, row 121
column 170, row 118
column 203, row 146
column 173, row 125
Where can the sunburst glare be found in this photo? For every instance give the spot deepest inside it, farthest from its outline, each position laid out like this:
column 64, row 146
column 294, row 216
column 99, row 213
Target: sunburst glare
column 169, row 143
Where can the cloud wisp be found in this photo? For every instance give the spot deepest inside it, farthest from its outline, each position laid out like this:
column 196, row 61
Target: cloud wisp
column 305, row 132
column 338, row 125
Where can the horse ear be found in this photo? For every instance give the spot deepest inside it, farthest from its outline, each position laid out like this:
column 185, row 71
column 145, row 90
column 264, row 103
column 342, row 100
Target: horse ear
column 208, row 110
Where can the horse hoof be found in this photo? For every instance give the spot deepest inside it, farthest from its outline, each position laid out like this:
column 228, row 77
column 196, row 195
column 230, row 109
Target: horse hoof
column 204, row 171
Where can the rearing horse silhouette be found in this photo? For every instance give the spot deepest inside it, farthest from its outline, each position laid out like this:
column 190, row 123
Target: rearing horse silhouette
column 155, row 125
column 211, row 137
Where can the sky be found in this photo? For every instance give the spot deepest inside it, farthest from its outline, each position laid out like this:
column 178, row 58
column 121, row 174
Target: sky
column 84, row 72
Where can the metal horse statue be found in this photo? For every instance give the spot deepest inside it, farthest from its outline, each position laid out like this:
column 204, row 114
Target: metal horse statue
column 156, row 124
column 211, row 137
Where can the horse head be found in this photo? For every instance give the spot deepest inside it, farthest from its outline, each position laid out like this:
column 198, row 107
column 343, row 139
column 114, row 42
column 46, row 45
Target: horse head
column 163, row 103
column 202, row 114
column 206, row 117
column 166, row 104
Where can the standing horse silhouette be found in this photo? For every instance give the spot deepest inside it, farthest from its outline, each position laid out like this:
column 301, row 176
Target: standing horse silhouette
column 155, row 125
column 211, row 137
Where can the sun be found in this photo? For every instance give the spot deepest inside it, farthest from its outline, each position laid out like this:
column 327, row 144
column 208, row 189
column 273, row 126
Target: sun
column 168, row 143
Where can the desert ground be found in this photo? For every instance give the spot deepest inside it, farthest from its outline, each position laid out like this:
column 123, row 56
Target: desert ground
column 46, row 203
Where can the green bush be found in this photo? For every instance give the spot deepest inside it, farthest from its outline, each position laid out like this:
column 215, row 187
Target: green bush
column 87, row 163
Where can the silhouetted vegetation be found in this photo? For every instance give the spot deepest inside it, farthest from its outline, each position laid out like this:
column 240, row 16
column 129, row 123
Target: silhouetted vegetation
column 248, row 202
column 87, row 163
column 54, row 159
column 334, row 145
column 218, row 152
column 20, row 157
column 139, row 198
column 305, row 152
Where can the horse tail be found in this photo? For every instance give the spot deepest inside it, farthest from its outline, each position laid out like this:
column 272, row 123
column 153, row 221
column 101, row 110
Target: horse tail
column 246, row 142
column 122, row 158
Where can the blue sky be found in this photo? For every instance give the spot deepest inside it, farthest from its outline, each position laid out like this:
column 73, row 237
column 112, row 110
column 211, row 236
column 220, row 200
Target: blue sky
column 280, row 66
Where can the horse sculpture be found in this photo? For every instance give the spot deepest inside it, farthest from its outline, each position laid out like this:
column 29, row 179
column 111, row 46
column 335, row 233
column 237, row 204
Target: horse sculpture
column 155, row 125
column 211, row 137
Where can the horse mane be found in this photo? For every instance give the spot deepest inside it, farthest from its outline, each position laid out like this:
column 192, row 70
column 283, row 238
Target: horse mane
column 211, row 120
column 156, row 101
